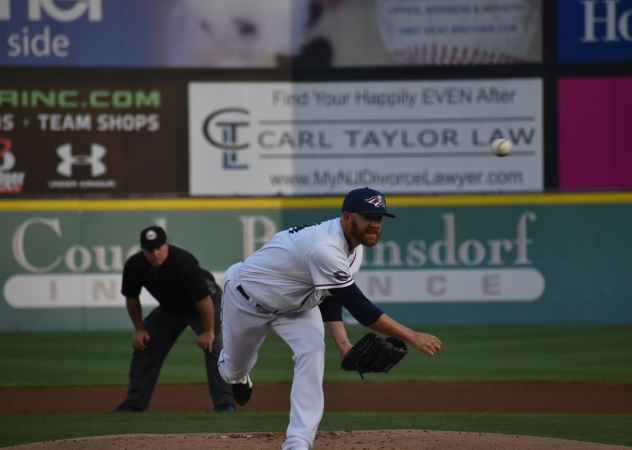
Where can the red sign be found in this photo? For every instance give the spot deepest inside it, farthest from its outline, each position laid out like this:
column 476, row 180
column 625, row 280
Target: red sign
column 595, row 136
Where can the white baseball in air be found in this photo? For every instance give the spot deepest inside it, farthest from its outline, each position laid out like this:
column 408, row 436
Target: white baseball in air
column 501, row 147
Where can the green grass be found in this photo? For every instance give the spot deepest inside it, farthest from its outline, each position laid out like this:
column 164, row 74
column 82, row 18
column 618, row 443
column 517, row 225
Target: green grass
column 609, row 429
column 548, row 353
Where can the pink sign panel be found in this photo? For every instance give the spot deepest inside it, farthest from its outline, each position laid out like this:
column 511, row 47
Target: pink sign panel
column 595, row 133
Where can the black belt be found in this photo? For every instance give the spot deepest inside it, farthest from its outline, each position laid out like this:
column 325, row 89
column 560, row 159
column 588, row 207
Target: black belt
column 247, row 297
column 242, row 292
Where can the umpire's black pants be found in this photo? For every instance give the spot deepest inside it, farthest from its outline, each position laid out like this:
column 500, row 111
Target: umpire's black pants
column 164, row 329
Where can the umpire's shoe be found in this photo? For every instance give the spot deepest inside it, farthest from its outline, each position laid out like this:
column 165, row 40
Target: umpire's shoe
column 242, row 391
column 225, row 408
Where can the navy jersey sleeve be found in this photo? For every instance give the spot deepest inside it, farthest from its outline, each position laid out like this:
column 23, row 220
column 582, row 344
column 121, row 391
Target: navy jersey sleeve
column 331, row 310
column 194, row 283
column 352, row 298
column 132, row 283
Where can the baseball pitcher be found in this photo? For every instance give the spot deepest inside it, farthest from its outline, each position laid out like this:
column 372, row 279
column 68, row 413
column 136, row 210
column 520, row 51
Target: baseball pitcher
column 280, row 286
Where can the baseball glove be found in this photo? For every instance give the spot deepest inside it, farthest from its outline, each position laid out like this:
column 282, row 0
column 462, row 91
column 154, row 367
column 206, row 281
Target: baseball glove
column 374, row 353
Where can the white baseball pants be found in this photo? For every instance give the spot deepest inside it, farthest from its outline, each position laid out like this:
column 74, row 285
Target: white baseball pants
column 244, row 327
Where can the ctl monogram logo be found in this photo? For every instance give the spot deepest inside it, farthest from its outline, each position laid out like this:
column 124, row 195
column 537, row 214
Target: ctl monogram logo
column 35, row 8
column 94, row 160
column 223, row 134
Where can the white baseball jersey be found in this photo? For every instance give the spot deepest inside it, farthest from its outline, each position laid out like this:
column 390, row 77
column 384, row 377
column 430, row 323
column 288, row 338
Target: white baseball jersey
column 297, row 267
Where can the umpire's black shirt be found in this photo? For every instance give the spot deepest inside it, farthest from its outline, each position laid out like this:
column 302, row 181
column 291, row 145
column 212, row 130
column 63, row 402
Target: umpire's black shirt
column 177, row 285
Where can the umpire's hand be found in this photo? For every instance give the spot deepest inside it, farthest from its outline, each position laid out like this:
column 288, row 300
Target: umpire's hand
column 205, row 341
column 140, row 340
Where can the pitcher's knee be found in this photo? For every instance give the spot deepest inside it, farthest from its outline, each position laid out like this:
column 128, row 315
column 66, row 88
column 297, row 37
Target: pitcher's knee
column 313, row 350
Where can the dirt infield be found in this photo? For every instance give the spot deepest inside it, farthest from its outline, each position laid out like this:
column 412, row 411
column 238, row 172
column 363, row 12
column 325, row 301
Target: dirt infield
column 330, row 440
column 508, row 397
column 513, row 397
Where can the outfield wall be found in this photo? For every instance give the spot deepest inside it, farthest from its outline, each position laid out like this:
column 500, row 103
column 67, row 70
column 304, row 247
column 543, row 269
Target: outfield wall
column 466, row 260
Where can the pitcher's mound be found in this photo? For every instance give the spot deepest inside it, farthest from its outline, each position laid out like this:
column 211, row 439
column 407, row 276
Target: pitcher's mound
column 330, row 440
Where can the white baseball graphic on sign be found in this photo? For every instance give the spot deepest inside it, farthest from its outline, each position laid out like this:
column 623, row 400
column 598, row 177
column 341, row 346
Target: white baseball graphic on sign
column 432, row 32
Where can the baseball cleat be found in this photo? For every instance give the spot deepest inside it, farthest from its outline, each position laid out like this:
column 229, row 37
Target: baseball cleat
column 242, row 391
column 123, row 407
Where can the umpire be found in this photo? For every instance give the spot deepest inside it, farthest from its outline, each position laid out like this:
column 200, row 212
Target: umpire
column 187, row 296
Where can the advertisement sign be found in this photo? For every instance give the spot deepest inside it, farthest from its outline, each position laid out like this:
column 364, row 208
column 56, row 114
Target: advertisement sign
column 82, row 136
column 398, row 137
column 594, row 133
column 541, row 260
column 267, row 33
column 594, row 30
column 422, row 32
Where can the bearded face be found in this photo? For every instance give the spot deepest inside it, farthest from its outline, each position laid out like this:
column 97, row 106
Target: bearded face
column 366, row 229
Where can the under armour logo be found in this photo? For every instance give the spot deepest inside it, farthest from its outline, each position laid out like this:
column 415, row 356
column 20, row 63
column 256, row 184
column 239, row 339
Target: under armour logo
column 94, row 160
column 377, row 201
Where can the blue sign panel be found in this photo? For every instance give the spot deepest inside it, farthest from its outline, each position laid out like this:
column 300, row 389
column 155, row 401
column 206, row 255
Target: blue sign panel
column 268, row 33
column 594, row 30
column 73, row 33
column 149, row 33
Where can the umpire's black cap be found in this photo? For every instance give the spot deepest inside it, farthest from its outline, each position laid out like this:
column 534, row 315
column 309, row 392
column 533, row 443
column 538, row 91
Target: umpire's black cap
column 365, row 201
column 152, row 237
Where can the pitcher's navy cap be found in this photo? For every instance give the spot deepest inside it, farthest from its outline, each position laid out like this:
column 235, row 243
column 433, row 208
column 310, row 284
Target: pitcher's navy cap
column 365, row 201
column 152, row 237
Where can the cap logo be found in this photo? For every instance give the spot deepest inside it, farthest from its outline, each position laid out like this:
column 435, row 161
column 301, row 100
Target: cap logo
column 151, row 235
column 377, row 201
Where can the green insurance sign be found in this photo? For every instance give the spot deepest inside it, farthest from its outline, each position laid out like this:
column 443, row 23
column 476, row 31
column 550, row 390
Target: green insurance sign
column 535, row 259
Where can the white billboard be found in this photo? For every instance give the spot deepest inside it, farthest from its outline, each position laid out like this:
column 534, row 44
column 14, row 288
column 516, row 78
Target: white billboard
column 255, row 138
column 85, row 290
